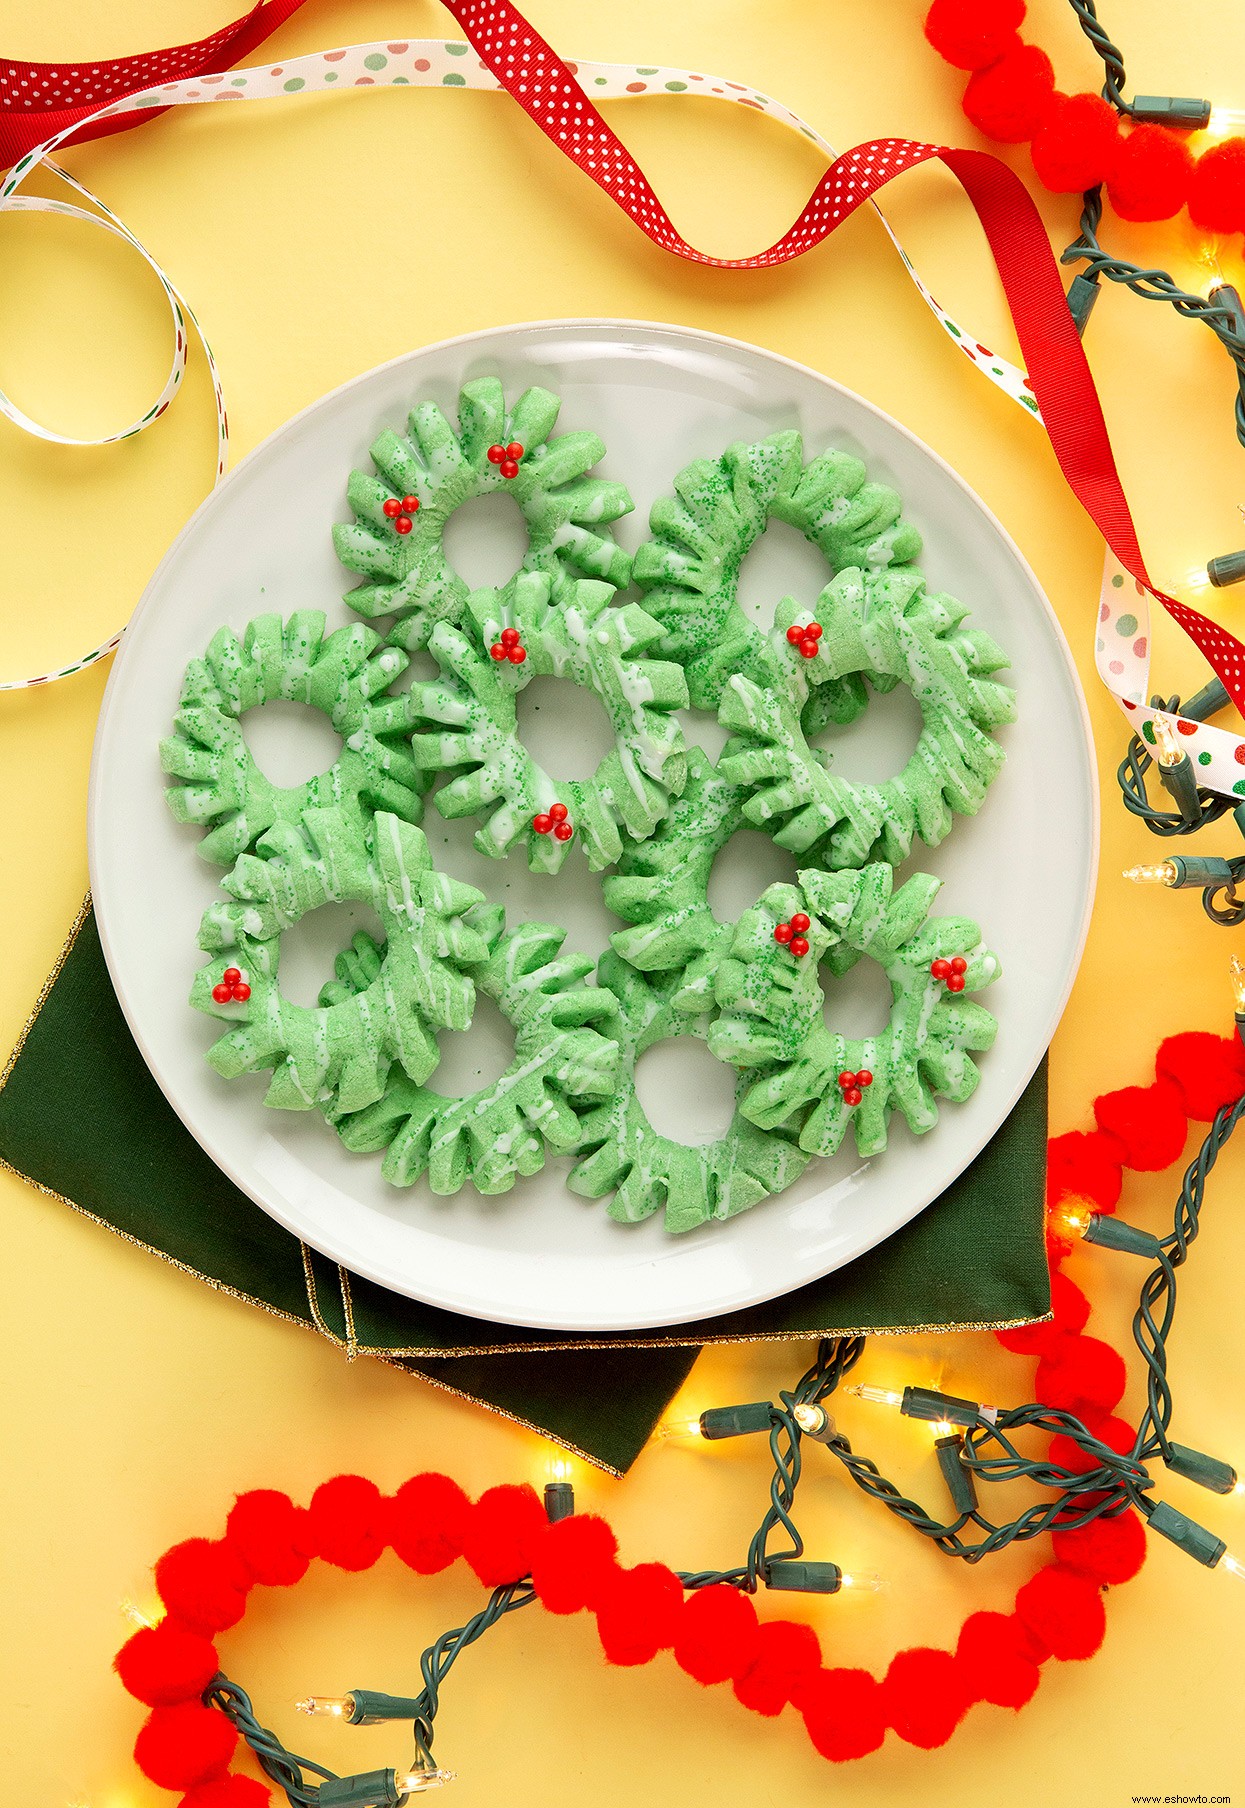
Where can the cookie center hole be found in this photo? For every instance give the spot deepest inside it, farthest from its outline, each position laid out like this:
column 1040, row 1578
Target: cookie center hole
column 310, row 947
column 879, row 743
column 859, row 1004
column 687, row 1094
column 474, row 1058
column 781, row 563
column 564, row 727
column 743, row 868
column 290, row 742
column 486, row 539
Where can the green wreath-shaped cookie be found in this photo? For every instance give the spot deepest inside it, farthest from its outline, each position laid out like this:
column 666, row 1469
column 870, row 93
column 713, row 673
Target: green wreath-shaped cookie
column 720, row 508
column 625, row 1156
column 771, row 1023
column 340, row 674
column 436, row 470
column 338, row 1054
column 661, row 888
column 888, row 626
column 466, row 718
column 561, row 1064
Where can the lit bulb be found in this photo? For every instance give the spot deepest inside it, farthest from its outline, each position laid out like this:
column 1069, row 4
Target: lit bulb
column 1238, row 1487
column 1069, row 1220
column 414, row 1782
column 1162, row 873
column 136, row 1615
column 1167, row 741
column 880, row 1396
column 1197, row 578
column 679, row 1431
column 337, row 1707
column 809, row 1417
column 943, row 1428
column 1233, row 1565
column 558, row 1469
column 864, row 1581
column 1238, row 984
column 1224, row 121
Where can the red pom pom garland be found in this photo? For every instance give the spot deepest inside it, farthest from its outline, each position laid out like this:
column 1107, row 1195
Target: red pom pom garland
column 1077, row 141
column 713, row 1631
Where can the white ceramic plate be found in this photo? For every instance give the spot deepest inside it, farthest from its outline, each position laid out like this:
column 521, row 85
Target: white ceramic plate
column 540, row 1256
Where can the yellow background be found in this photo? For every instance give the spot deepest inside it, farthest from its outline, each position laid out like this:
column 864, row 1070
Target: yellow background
column 315, row 240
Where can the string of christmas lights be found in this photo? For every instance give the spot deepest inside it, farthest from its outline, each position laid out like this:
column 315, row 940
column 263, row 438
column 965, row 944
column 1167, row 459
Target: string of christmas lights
column 1098, row 1474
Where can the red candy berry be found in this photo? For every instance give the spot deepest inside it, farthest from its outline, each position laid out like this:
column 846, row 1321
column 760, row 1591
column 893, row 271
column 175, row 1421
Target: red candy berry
column 956, row 983
column 813, row 631
column 402, row 525
column 410, row 505
column 496, row 454
column 392, row 507
column 222, row 994
column 799, row 947
column 852, row 1095
column 242, row 991
column 231, row 987
column 497, row 651
column 846, row 1079
column 230, row 976
column 959, row 964
column 782, row 932
column 799, row 922
column 510, row 637
column 864, row 1077
column 795, row 635
column 516, row 655
column 562, row 831
column 558, row 812
column 542, row 823
column 941, row 969
column 808, row 649
column 514, row 450
column 509, row 467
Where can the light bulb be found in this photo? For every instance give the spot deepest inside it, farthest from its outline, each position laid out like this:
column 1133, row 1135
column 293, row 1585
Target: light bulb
column 336, row 1707
column 1233, row 1565
column 1069, row 1220
column 414, row 1782
column 864, row 1581
column 679, row 1431
column 138, row 1616
column 880, row 1396
column 1238, row 1488
column 558, row 1469
column 1237, row 970
column 943, row 1428
column 1167, row 741
column 810, row 1417
column 1162, row 872
column 1224, row 121
column 1197, row 578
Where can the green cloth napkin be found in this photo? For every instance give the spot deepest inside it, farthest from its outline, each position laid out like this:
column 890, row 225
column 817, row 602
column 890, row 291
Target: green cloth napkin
column 82, row 1118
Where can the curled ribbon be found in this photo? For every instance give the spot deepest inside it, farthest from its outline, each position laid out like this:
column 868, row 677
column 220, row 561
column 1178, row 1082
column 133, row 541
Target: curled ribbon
column 1059, row 389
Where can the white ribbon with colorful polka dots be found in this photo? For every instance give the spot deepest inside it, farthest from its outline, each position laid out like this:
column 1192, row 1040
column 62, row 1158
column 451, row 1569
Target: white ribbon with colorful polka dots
column 1123, row 633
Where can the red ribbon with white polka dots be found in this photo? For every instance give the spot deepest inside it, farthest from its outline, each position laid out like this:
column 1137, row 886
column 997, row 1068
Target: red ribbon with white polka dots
column 547, row 88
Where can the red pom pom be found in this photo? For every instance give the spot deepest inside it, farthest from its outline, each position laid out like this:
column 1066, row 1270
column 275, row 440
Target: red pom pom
column 638, row 1613
column 1084, row 1164
column 227, row 1792
column 1076, row 144
column 204, row 1582
column 1116, row 1434
column 716, row 1637
column 573, row 1562
column 347, row 1522
column 269, row 1533
column 1064, row 1612
column 1009, row 100
column 428, row 1522
column 1152, row 173
column 1217, row 188
column 843, row 1712
column 1148, row 1121
column 179, row 1746
column 924, row 1696
column 995, row 1656
column 971, row 33
column 501, row 1532
column 166, row 1663
column 1071, row 1309
column 1105, row 1550
column 1083, row 1375
column 1208, row 1071
column 788, row 1654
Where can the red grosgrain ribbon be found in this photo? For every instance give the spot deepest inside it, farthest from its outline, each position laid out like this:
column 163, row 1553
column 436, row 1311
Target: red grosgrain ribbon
column 537, row 78
column 38, row 100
